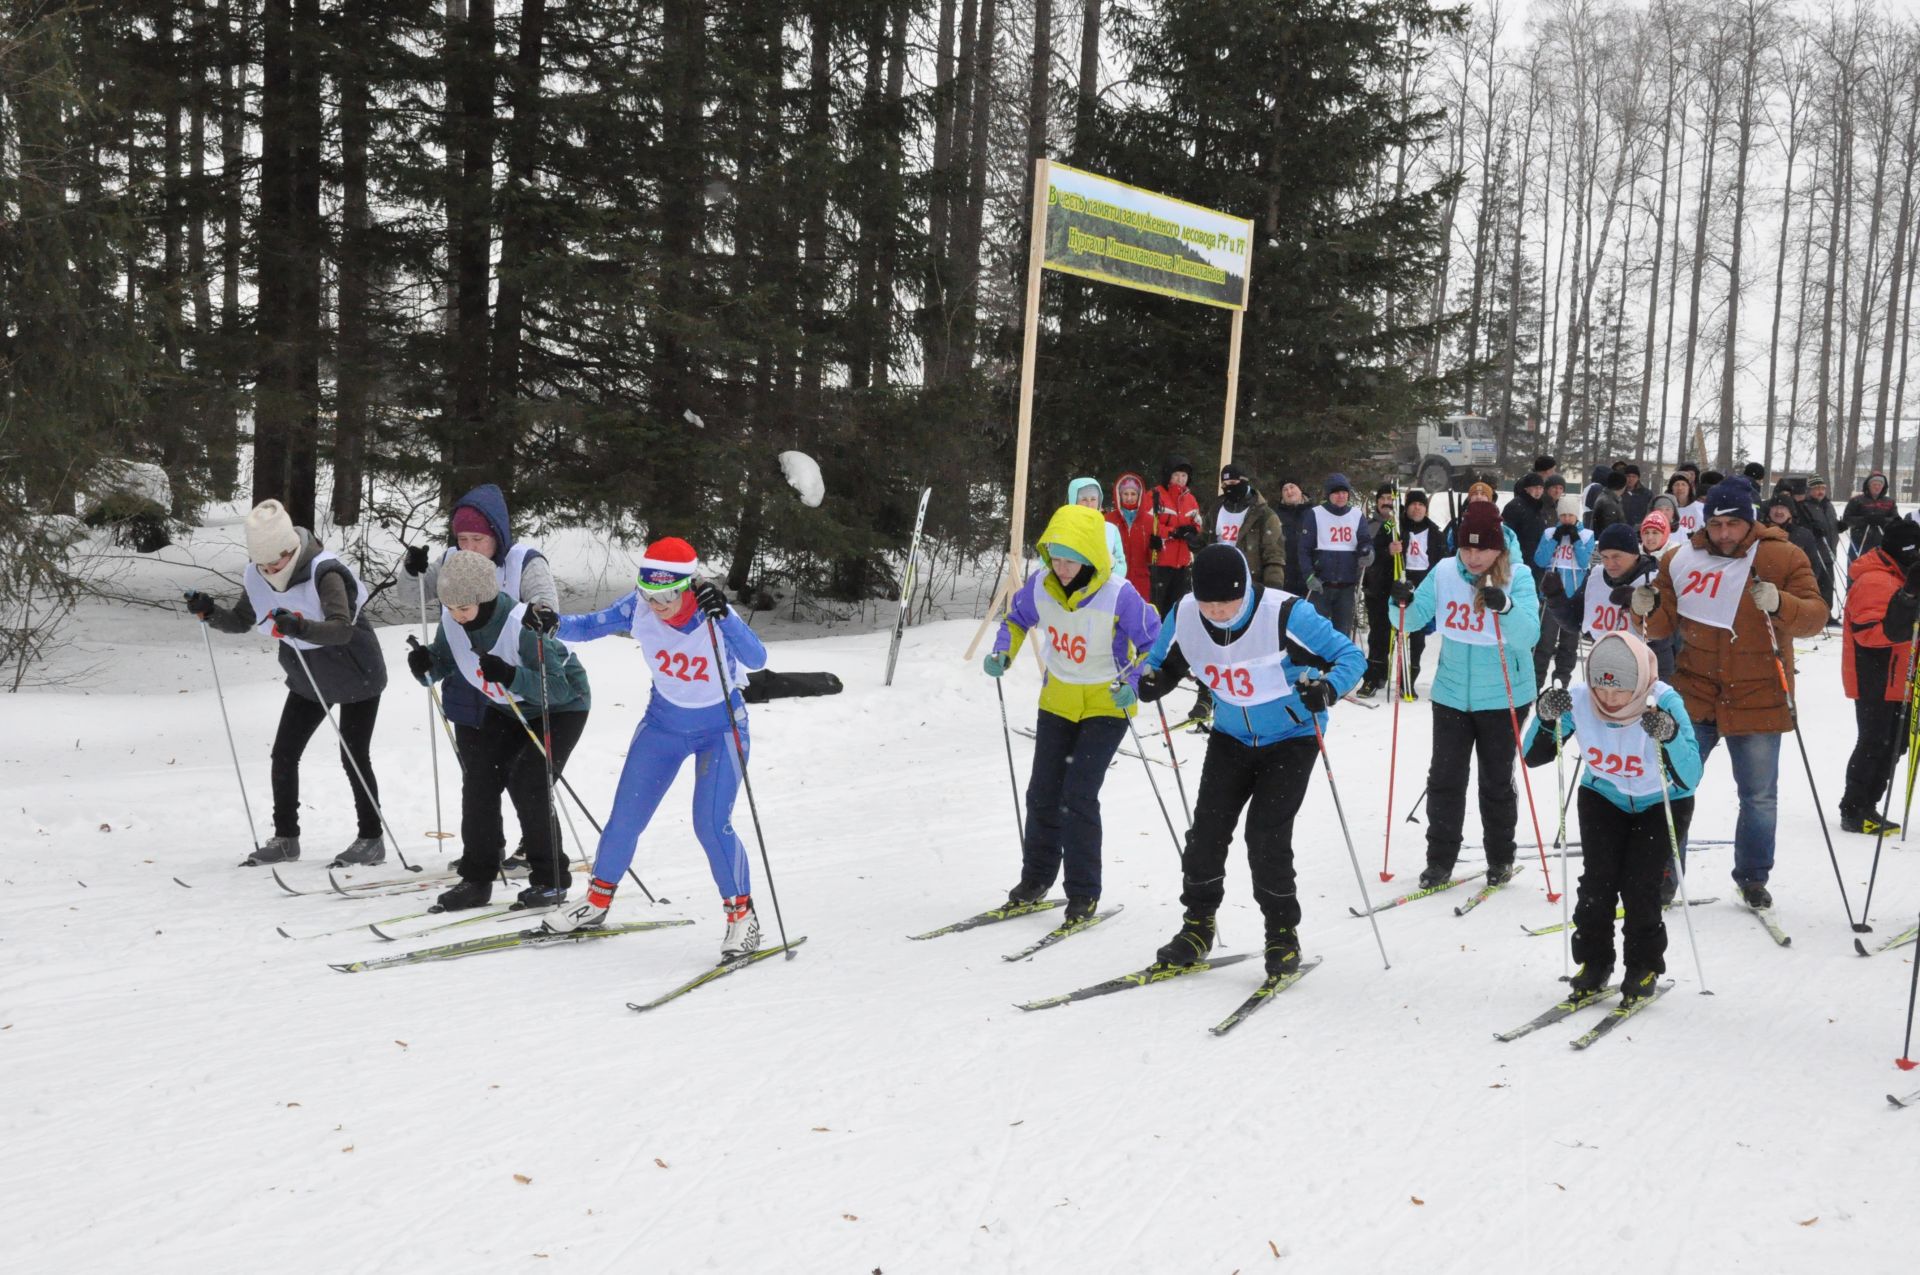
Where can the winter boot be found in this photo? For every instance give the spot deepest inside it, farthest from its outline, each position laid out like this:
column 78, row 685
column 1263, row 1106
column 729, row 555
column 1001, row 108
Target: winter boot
column 541, row 896
column 1368, row 689
column 1638, row 983
column 364, row 850
column 1434, row 876
column 1080, row 908
column 274, row 850
column 467, row 894
column 743, row 929
column 1590, row 978
column 1191, row 944
column 589, row 914
column 1283, row 952
column 1499, row 873
column 1028, row 891
column 1754, row 895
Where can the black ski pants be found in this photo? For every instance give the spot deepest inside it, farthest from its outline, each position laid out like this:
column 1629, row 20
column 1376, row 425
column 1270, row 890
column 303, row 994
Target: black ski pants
column 1070, row 762
column 1559, row 646
column 1380, row 616
column 1879, row 742
column 504, row 759
column 1458, row 736
column 1623, row 857
column 466, row 740
column 1267, row 782
column 299, row 718
column 1168, row 585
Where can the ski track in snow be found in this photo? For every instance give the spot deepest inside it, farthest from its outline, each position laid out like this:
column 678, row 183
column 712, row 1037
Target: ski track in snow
column 186, row 1090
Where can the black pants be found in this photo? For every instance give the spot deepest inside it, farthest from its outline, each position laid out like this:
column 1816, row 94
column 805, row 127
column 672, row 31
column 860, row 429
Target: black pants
column 1457, row 737
column 1274, row 779
column 1380, row 617
column 1063, row 800
column 1878, row 744
column 1169, row 585
column 1559, row 646
column 466, row 739
column 1623, row 857
column 299, row 718
column 504, row 759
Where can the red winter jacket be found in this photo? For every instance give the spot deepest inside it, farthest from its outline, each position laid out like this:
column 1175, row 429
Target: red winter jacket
column 1871, row 656
column 1172, row 509
column 1134, row 537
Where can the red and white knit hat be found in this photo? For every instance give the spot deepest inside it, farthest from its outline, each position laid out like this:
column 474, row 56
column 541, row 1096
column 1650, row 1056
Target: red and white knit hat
column 668, row 566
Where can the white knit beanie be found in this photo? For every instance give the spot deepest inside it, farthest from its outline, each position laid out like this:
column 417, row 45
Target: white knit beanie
column 467, row 579
column 1570, row 507
column 270, row 533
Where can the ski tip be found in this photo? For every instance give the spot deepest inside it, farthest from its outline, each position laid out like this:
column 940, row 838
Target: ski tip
column 382, row 934
column 282, row 881
column 182, row 884
column 1861, row 948
column 1357, row 912
column 352, row 967
column 281, row 930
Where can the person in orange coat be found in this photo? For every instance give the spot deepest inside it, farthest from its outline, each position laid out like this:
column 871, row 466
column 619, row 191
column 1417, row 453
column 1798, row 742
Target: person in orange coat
column 1129, row 495
column 1176, row 530
column 1873, row 667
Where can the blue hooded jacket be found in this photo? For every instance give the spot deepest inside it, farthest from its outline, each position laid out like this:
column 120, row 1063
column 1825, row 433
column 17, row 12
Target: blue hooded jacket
column 464, row 705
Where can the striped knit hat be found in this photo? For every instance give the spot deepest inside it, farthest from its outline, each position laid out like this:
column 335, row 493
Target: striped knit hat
column 668, row 566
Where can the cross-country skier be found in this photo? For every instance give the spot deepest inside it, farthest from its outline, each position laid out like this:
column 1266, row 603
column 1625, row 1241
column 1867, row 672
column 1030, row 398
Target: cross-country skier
column 667, row 615
column 1337, row 551
column 480, row 524
column 1093, row 626
column 1251, row 643
column 1731, row 592
column 1563, row 557
column 537, row 697
column 1620, row 565
column 1416, row 544
column 1488, row 618
column 299, row 592
column 1873, row 669
column 1616, row 719
column 1687, row 517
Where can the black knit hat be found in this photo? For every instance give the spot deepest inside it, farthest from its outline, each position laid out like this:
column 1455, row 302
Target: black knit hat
column 1541, row 464
column 1231, row 473
column 1416, row 497
column 1220, row 574
column 1901, row 540
column 1616, row 480
column 1619, row 537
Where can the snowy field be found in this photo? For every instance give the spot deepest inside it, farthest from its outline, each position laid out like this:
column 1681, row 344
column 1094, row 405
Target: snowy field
column 183, row 1089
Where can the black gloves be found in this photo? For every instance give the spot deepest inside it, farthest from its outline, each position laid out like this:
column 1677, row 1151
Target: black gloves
column 1153, row 685
column 416, row 560
column 540, row 619
column 1659, row 723
column 1155, row 544
column 1401, row 593
column 1550, row 586
column 1495, row 599
column 1187, row 532
column 497, row 670
column 1912, row 584
column 288, row 623
column 1622, row 596
column 709, row 598
column 1316, row 693
column 1554, row 703
column 420, row 663
column 203, row 606
column 1566, row 531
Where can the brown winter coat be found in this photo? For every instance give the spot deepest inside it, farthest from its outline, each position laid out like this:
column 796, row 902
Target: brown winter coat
column 1730, row 678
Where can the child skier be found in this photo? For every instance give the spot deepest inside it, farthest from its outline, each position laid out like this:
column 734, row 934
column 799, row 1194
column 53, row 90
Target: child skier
column 1243, row 640
column 299, row 592
column 537, row 696
column 1633, row 729
column 1488, row 618
column 1563, row 557
column 668, row 615
column 1093, row 624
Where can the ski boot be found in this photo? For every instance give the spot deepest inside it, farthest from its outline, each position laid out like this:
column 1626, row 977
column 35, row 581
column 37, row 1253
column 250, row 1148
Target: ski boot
column 1754, row 895
column 589, row 914
column 1868, row 825
column 1499, row 873
column 1190, row 945
column 274, row 850
column 1368, row 689
column 515, row 864
column 1637, row 984
column 1080, row 908
column 1030, row 890
column 467, row 894
column 1591, row 977
column 541, row 896
column 743, row 929
column 1283, row 952
column 1432, row 877
column 364, row 851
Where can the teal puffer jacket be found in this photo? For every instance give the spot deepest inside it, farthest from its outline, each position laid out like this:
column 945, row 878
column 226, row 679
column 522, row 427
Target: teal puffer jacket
column 1469, row 676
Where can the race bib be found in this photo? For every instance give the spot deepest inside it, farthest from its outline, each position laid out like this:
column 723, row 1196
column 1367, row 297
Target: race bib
column 1602, row 616
column 1417, row 556
column 1708, row 586
column 1622, row 754
column 1338, row 533
column 1691, row 519
column 1227, row 527
column 1454, row 614
column 1079, row 643
column 1251, row 669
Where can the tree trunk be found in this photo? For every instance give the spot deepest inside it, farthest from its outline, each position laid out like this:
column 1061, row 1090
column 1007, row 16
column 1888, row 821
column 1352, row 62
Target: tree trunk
column 1709, row 139
column 1864, row 329
column 1653, row 274
column 1800, row 306
column 520, row 237
column 1743, row 130
column 981, row 129
column 1894, row 279
column 353, row 373
column 223, row 429
column 476, row 453
column 1673, row 300
column 1780, row 275
column 1841, row 174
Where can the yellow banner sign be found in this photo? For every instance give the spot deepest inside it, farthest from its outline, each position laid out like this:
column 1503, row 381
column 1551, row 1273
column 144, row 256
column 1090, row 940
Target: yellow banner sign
column 1103, row 229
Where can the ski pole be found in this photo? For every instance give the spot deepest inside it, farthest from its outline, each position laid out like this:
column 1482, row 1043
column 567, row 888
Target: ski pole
column 1140, row 747
column 1393, row 751
column 1513, row 716
column 740, row 755
column 1903, row 726
column 366, row 788
column 433, row 739
column 556, row 851
column 1679, row 875
column 1906, row 1060
column 221, row 695
column 1560, row 839
column 1013, row 780
column 1413, row 816
column 1793, row 715
column 1359, row 878
column 1166, row 733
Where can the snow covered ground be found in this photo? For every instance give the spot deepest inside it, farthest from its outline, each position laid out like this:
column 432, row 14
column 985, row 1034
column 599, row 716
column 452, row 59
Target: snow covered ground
column 181, row 1088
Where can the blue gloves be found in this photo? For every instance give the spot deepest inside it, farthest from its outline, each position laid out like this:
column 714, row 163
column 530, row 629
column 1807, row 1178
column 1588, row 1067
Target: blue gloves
column 996, row 663
column 1123, row 697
